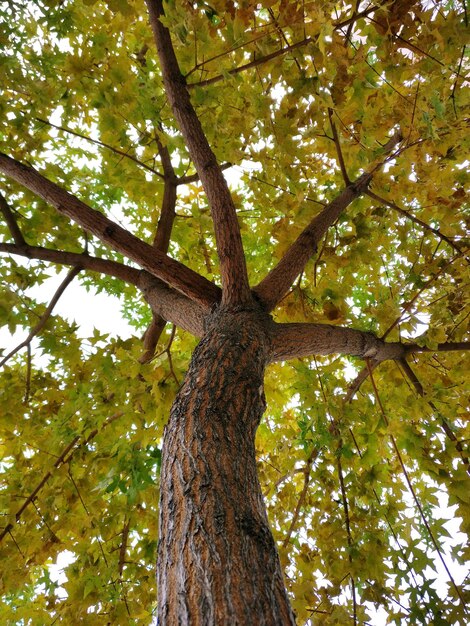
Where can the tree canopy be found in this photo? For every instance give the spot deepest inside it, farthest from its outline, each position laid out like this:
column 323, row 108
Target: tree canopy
column 359, row 108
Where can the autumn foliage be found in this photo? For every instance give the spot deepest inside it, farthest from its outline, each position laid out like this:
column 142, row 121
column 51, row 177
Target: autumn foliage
column 342, row 130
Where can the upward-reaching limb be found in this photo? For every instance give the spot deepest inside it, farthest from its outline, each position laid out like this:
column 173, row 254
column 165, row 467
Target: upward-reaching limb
column 235, row 287
column 161, row 242
column 280, row 279
column 277, row 283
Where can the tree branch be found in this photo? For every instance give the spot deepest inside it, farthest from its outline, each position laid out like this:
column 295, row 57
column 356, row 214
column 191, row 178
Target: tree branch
column 11, row 222
column 414, row 219
column 164, row 301
column 252, row 64
column 339, row 152
column 303, row 494
column 85, row 261
column 123, row 547
column 450, row 346
column 45, row 316
column 234, row 277
column 413, row 492
column 279, row 280
column 151, row 337
column 101, row 144
column 409, row 373
column 161, row 242
column 167, row 213
column 175, row 274
column 290, row 341
column 173, row 306
column 184, row 180
column 64, row 457
column 273, row 55
column 194, row 178
column 277, row 283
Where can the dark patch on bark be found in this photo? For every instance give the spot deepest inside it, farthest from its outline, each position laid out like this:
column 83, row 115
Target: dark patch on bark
column 257, row 530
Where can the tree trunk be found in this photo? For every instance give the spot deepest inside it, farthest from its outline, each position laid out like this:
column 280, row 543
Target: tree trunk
column 217, row 560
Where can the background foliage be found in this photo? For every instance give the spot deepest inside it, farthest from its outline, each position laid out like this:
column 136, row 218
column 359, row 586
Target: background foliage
column 360, row 480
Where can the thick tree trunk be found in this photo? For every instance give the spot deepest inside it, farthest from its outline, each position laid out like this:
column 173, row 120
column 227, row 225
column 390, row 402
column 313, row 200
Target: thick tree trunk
column 217, row 560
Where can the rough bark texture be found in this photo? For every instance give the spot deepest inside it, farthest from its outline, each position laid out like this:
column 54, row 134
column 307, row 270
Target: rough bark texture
column 218, row 562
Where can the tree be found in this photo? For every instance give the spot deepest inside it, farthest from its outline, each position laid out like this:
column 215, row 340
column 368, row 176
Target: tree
column 341, row 249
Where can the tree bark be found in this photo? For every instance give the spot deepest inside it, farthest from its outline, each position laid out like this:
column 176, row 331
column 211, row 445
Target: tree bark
column 217, row 559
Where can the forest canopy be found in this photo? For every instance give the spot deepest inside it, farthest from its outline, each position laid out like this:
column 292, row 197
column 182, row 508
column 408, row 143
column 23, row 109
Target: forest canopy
column 362, row 461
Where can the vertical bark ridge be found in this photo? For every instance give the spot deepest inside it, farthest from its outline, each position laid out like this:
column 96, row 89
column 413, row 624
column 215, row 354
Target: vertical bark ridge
column 218, row 563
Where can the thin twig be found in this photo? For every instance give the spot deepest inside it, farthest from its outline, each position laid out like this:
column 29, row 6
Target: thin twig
column 45, row 316
column 410, row 374
column 63, row 458
column 414, row 219
column 389, row 524
column 101, row 144
column 28, row 373
column 11, row 222
column 415, row 497
column 252, row 64
column 123, row 548
column 339, row 152
column 300, row 502
column 452, row 95
column 348, row 525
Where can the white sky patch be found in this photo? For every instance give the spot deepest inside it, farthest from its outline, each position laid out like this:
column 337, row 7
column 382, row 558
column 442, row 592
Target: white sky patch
column 90, row 310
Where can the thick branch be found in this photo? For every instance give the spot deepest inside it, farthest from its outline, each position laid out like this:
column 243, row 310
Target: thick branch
column 184, row 180
column 151, row 337
column 167, row 213
column 279, row 280
column 173, row 306
column 290, row 341
column 164, row 301
column 157, row 263
column 161, row 242
column 277, row 283
column 235, row 287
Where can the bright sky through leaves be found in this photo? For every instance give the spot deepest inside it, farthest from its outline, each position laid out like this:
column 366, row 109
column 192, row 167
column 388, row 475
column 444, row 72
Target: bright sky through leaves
column 297, row 99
